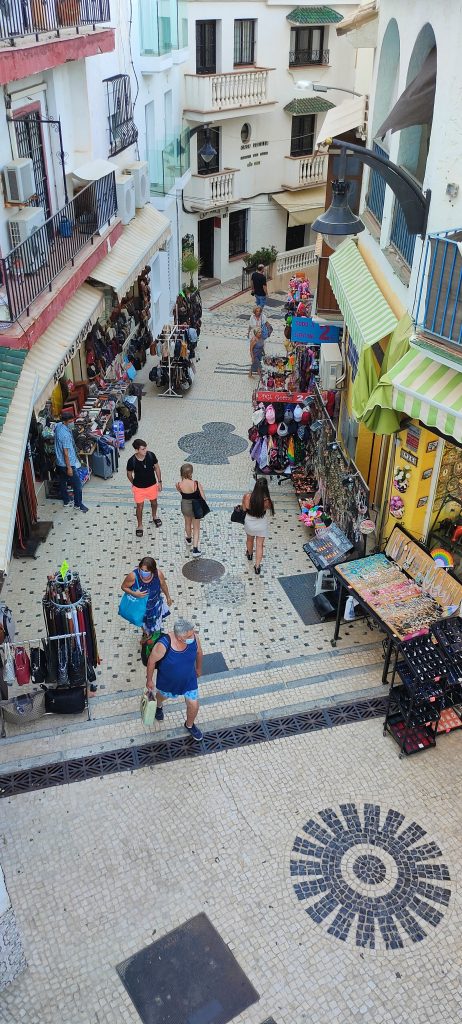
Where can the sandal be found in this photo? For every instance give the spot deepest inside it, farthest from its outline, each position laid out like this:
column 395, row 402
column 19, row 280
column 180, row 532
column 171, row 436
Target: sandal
column 139, row 533
column 157, row 522
column 257, row 569
column 249, row 556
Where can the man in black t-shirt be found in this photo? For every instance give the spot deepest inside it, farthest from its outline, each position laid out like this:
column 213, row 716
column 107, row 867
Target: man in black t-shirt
column 259, row 286
column 144, row 474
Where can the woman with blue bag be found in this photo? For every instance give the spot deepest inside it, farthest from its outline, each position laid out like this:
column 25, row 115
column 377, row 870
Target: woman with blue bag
column 146, row 598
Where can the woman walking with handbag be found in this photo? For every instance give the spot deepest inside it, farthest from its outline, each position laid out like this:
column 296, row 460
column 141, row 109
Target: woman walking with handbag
column 148, row 584
column 192, row 502
column 257, row 504
column 259, row 329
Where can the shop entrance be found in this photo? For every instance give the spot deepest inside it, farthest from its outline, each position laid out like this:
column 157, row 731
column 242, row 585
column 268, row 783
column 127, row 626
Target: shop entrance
column 206, row 229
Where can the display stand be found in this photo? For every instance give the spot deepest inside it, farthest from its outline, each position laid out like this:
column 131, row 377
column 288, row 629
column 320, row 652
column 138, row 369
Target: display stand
column 170, row 391
column 29, row 705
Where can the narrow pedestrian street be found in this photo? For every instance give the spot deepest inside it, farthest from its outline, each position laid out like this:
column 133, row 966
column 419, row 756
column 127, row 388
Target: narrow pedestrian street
column 99, row 869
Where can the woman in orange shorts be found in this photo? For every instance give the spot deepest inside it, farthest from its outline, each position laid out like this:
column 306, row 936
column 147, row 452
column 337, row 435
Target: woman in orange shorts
column 144, row 474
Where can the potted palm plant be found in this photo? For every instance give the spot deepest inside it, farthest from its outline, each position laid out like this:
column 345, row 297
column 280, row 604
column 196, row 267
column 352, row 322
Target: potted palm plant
column 190, row 264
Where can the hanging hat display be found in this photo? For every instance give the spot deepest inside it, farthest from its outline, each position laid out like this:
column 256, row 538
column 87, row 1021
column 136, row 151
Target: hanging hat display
column 289, row 414
column 270, row 414
column 282, row 430
column 272, row 428
column 291, row 450
column 258, row 415
column 298, row 413
column 306, row 416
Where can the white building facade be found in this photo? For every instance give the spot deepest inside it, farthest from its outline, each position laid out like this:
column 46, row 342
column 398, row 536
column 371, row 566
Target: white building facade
column 266, row 184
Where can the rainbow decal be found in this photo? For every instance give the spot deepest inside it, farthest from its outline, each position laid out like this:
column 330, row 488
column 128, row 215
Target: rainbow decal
column 442, row 557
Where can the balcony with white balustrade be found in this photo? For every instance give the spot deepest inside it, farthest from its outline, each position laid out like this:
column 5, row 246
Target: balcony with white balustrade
column 211, row 191
column 223, row 95
column 303, row 171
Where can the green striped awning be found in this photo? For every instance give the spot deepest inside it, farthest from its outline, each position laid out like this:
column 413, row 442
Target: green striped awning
column 428, row 390
column 308, row 105
column 366, row 313
column 314, row 16
column 11, row 363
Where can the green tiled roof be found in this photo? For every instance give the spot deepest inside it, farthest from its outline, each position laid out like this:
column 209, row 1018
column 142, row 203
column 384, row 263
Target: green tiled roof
column 308, row 105
column 11, row 364
column 314, row 16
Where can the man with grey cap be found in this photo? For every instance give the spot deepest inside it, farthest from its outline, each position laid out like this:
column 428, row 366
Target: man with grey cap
column 177, row 656
column 67, row 462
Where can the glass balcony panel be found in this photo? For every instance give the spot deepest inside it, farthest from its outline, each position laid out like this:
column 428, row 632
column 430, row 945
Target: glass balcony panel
column 168, row 161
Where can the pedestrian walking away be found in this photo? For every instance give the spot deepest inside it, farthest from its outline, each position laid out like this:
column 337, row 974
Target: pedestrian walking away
column 148, row 581
column 143, row 472
column 259, row 285
column 177, row 656
column 256, row 505
column 257, row 350
column 189, row 489
column 67, row 462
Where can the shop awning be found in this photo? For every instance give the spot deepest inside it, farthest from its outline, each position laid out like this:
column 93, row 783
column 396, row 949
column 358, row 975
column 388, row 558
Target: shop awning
column 314, row 16
column 415, row 105
column 13, row 440
column 366, row 313
column 366, row 397
column 304, row 206
column 308, row 105
column 144, row 236
column 11, row 363
column 62, row 338
column 348, row 115
column 428, row 390
column 362, row 25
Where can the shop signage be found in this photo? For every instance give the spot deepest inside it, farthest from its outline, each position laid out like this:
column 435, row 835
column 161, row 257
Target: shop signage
column 422, row 501
column 73, row 349
column 427, row 474
column 413, row 437
column 432, row 446
column 281, row 396
column 409, row 457
column 307, row 331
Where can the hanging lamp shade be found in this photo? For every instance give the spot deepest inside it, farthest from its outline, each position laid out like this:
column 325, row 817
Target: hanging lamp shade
column 338, row 221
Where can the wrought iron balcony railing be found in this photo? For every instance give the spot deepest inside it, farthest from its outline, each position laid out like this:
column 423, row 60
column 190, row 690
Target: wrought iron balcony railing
column 439, row 289
column 32, row 266
column 308, row 57
column 20, row 18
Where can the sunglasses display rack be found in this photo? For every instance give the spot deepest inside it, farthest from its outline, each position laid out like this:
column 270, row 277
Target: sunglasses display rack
column 427, row 700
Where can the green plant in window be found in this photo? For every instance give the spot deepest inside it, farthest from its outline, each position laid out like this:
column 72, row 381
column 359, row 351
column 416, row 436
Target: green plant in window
column 263, row 255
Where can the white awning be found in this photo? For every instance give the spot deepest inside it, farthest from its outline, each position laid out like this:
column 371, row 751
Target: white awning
column 13, row 440
column 303, row 206
column 348, row 115
column 143, row 237
column 59, row 343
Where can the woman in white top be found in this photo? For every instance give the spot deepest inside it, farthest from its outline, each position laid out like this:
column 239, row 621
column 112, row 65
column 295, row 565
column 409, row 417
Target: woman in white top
column 257, row 504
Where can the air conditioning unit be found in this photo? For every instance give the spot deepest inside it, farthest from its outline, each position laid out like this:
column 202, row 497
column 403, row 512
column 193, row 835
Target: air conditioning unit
column 139, row 171
column 125, row 186
column 330, row 366
column 23, row 227
column 19, row 180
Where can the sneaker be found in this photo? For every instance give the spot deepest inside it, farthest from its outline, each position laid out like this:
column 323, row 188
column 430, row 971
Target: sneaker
column 196, row 552
column 159, row 715
column 83, row 508
column 66, row 504
column 194, row 732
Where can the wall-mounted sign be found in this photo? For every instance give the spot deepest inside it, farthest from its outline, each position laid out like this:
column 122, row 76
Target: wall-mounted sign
column 427, row 474
column 413, row 437
column 432, row 446
column 307, row 331
column 409, row 457
column 422, row 501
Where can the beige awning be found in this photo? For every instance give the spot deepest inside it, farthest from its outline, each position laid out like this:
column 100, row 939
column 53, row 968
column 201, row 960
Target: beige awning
column 13, row 440
column 143, row 237
column 362, row 26
column 348, row 115
column 303, row 206
column 59, row 343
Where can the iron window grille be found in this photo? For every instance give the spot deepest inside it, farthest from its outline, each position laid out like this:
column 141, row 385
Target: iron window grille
column 244, row 42
column 237, row 232
column 307, row 46
column 122, row 128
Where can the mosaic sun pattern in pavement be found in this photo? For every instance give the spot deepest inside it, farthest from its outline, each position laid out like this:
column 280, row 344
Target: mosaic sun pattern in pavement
column 378, row 884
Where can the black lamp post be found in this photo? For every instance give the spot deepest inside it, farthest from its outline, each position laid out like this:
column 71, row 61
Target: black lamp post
column 207, row 151
column 338, row 222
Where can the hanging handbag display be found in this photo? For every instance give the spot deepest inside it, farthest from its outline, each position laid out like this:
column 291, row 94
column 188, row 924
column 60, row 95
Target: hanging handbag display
column 148, row 706
column 76, row 666
column 238, row 515
column 65, row 701
column 21, row 666
column 9, row 674
column 38, row 666
column 133, row 609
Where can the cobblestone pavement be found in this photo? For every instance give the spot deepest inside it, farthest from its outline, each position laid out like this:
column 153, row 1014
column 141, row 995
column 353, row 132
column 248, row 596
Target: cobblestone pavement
column 249, row 620
column 330, row 867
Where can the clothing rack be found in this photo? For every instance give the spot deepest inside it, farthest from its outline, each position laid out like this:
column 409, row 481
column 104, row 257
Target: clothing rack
column 170, row 391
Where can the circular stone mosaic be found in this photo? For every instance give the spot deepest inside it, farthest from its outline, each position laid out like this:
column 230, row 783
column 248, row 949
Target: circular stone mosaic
column 369, row 876
column 203, row 570
column 213, row 445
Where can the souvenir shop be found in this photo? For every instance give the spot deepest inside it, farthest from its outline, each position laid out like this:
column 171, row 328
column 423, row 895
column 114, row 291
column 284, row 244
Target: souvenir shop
column 415, row 602
column 53, row 673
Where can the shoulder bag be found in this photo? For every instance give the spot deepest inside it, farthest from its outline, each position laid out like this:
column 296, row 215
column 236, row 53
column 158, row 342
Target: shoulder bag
column 21, row 666
column 238, row 515
column 132, row 608
column 9, row 674
column 199, row 504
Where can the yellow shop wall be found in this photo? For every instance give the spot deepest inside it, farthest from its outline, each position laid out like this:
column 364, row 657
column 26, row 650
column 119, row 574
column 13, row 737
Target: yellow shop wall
column 417, row 496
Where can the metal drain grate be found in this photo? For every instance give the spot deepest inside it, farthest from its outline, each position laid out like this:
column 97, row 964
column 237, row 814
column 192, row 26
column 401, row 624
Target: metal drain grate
column 158, row 752
column 203, row 570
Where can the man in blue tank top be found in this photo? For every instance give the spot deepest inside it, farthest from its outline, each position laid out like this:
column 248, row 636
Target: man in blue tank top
column 177, row 656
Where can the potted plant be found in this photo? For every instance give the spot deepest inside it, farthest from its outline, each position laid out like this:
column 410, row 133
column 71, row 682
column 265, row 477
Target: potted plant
column 190, row 264
column 265, row 255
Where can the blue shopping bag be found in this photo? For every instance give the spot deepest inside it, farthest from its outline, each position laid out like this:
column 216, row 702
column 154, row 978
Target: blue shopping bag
column 133, row 609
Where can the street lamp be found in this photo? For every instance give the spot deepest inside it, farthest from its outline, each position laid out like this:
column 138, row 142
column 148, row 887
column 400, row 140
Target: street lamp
column 304, row 86
column 207, row 151
column 339, row 222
